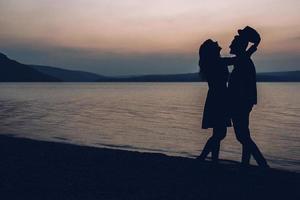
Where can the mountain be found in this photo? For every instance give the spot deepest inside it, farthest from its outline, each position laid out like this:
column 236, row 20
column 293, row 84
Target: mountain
column 189, row 77
column 69, row 75
column 13, row 71
column 289, row 76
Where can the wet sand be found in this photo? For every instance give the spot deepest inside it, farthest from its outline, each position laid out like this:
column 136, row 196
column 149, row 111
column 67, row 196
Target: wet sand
column 33, row 169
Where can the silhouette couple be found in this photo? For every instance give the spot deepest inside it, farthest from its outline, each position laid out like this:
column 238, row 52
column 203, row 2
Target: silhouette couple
column 232, row 104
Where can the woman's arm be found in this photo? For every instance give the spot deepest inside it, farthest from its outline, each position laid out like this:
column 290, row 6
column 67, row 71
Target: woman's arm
column 229, row 60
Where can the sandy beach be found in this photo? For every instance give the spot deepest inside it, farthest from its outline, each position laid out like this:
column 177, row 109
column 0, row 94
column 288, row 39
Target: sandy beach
column 46, row 170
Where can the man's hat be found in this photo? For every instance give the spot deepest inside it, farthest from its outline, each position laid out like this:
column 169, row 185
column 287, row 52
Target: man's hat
column 249, row 34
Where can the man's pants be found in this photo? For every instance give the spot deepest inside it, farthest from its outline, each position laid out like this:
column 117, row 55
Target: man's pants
column 240, row 121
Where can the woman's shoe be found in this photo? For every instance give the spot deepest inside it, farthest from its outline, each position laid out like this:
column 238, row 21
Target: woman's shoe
column 200, row 158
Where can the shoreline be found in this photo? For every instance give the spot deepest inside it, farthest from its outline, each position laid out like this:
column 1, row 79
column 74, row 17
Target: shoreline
column 32, row 169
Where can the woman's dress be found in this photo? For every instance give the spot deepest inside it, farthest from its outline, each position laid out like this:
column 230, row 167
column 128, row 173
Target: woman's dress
column 216, row 110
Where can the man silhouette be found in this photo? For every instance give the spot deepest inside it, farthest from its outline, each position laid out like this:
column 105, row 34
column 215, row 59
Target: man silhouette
column 243, row 94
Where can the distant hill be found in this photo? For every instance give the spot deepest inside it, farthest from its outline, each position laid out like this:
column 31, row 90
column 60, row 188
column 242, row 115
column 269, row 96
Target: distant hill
column 69, row 75
column 189, row 77
column 289, row 76
column 13, row 71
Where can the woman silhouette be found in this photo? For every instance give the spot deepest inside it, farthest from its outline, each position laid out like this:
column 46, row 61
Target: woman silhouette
column 214, row 69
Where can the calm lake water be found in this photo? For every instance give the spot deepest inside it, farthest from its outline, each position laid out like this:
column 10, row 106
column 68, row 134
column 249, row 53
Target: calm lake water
column 151, row 117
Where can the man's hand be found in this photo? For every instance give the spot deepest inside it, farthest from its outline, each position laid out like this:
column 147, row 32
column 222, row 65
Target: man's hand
column 257, row 42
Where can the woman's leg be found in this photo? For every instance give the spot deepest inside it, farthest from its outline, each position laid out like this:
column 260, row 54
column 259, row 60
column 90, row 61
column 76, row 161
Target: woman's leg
column 213, row 144
column 207, row 149
column 219, row 133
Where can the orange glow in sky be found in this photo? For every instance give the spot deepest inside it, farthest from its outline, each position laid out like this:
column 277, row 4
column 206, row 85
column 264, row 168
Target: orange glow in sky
column 147, row 27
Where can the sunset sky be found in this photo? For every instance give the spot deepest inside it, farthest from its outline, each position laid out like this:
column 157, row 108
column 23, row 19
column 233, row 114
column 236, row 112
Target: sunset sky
column 121, row 37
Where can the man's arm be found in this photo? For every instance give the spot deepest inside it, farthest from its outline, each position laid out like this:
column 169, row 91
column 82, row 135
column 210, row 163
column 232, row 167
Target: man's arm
column 253, row 48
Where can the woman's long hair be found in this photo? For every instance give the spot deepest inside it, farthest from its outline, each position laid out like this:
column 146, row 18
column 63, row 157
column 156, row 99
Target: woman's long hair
column 207, row 57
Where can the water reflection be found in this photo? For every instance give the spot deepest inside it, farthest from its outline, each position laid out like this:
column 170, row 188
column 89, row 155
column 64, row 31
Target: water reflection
column 157, row 117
